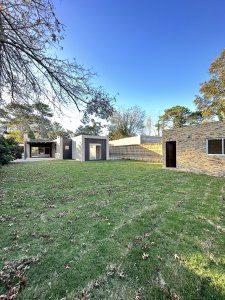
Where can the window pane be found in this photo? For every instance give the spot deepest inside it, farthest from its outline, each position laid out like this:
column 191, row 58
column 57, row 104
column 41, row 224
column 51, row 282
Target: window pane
column 215, row 146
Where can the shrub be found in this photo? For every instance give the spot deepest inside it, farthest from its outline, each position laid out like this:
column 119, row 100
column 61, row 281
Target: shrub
column 9, row 150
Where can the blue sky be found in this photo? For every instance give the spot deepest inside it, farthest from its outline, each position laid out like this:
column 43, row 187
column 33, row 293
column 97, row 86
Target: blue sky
column 151, row 53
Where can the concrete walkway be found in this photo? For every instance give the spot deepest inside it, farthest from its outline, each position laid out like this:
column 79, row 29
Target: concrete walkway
column 50, row 158
column 33, row 159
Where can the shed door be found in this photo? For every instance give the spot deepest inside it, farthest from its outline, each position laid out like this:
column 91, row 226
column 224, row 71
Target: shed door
column 67, row 149
column 171, row 155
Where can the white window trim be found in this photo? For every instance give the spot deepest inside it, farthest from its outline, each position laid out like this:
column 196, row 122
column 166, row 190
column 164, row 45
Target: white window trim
column 93, row 144
column 207, row 146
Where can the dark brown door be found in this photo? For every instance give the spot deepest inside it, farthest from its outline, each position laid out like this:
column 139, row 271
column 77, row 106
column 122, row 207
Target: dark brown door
column 67, row 149
column 171, row 155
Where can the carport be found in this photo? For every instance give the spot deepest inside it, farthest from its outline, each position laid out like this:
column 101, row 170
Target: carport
column 39, row 149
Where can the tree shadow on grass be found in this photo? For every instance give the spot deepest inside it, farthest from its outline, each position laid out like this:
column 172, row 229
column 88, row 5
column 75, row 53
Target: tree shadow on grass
column 175, row 280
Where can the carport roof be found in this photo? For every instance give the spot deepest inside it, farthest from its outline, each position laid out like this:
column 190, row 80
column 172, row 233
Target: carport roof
column 39, row 141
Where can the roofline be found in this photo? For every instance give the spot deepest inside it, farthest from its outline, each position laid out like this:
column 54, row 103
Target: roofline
column 92, row 136
column 39, row 141
column 194, row 125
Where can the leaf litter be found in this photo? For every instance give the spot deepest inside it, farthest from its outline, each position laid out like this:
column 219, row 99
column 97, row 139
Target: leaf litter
column 12, row 276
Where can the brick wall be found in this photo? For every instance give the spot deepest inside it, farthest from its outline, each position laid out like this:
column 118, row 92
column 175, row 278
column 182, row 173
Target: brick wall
column 191, row 143
column 146, row 152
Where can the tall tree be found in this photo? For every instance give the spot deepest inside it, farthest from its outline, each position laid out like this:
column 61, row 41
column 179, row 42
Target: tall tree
column 17, row 117
column 16, row 135
column 42, row 115
column 174, row 117
column 92, row 128
column 211, row 102
column 30, row 71
column 194, row 118
column 3, row 126
column 126, row 122
column 178, row 116
column 32, row 119
column 57, row 130
column 35, row 120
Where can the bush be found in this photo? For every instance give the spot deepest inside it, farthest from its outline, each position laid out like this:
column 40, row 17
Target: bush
column 9, row 150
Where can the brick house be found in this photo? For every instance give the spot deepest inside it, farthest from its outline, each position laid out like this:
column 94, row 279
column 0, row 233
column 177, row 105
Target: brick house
column 197, row 148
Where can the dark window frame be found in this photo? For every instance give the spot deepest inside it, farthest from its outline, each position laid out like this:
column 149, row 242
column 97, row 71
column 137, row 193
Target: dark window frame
column 222, row 149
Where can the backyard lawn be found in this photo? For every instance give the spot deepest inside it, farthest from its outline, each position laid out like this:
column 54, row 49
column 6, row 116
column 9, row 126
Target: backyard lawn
column 110, row 230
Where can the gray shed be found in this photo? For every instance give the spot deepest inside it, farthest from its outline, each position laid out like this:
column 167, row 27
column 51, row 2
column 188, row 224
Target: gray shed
column 87, row 147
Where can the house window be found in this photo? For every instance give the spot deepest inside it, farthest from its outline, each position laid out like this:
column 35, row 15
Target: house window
column 216, row 146
column 94, row 151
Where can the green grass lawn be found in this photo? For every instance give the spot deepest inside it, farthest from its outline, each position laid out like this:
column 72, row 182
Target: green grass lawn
column 110, row 230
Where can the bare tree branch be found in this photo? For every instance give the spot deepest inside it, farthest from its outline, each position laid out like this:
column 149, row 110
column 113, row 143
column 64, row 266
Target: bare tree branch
column 30, row 72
